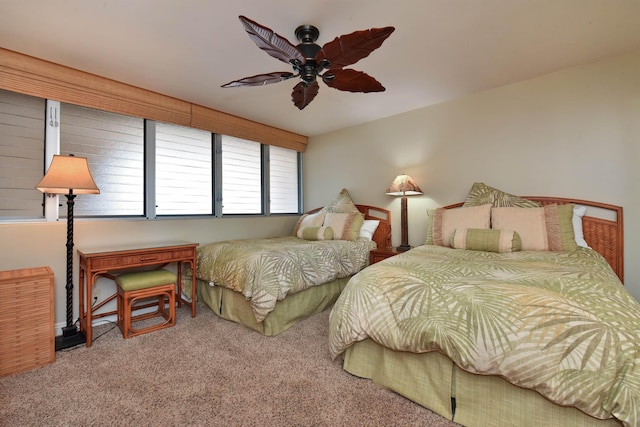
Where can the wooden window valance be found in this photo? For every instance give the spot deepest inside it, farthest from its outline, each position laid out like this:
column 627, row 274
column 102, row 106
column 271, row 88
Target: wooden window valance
column 36, row 77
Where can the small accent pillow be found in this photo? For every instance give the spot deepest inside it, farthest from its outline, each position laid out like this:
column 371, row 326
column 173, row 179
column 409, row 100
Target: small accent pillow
column 481, row 194
column 308, row 220
column 316, row 233
column 547, row 228
column 368, row 228
column 478, row 239
column 346, row 226
column 442, row 222
column 341, row 204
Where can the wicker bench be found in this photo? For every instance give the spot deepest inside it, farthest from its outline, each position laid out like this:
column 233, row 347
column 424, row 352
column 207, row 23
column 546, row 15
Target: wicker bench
column 136, row 286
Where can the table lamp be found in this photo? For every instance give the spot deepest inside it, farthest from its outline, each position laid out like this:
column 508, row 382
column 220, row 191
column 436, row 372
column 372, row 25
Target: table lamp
column 403, row 186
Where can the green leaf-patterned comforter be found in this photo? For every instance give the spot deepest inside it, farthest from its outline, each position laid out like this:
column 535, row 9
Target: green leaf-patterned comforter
column 266, row 270
column 560, row 323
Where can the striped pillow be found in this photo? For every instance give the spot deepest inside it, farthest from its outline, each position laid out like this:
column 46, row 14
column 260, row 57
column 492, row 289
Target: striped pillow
column 441, row 222
column 346, row 226
column 547, row 228
column 316, row 233
column 480, row 239
column 309, row 220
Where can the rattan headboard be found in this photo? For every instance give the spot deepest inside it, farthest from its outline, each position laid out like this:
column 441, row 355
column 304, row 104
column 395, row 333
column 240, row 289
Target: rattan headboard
column 603, row 235
column 382, row 235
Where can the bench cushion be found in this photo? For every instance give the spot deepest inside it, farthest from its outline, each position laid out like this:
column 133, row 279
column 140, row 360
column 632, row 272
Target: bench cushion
column 145, row 279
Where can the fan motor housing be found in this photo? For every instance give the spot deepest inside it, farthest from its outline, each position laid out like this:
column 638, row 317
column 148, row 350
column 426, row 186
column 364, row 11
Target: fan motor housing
column 308, row 34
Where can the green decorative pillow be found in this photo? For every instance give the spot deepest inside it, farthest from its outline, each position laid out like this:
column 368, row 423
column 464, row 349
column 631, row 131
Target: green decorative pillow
column 316, row 233
column 480, row 239
column 481, row 194
column 560, row 233
column 341, row 204
column 353, row 230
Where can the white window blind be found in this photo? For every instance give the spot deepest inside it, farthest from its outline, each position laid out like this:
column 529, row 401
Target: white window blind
column 22, row 132
column 114, row 147
column 184, row 171
column 283, row 180
column 241, row 176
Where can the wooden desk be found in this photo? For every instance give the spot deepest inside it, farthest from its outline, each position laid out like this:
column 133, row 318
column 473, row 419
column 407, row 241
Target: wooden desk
column 103, row 261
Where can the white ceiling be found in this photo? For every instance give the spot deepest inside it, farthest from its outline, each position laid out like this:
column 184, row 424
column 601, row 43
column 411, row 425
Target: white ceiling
column 441, row 49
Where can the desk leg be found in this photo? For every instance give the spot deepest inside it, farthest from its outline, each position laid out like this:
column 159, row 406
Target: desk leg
column 179, row 284
column 81, row 314
column 193, row 287
column 91, row 278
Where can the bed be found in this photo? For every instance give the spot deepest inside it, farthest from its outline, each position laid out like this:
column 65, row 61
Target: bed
column 269, row 284
column 526, row 338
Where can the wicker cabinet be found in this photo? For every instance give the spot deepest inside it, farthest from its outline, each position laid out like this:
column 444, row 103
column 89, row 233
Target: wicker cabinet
column 27, row 337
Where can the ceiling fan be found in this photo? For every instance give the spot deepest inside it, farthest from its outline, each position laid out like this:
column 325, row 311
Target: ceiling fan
column 310, row 61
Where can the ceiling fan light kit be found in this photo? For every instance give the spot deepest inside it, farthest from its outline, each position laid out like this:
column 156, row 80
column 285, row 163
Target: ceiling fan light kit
column 310, row 61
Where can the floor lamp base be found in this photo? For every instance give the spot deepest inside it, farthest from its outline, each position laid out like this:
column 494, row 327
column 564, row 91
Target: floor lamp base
column 403, row 248
column 70, row 337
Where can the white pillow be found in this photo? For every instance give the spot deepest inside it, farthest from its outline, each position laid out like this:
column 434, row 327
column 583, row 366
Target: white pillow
column 578, row 213
column 368, row 228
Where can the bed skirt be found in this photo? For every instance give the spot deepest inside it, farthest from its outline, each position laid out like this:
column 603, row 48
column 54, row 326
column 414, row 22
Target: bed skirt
column 433, row 381
column 232, row 305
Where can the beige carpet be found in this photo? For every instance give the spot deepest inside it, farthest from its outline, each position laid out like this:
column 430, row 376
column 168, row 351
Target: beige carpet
column 204, row 372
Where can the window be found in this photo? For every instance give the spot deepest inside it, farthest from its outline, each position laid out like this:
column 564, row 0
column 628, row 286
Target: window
column 241, row 176
column 21, row 155
column 283, row 180
column 143, row 168
column 184, row 171
column 114, row 147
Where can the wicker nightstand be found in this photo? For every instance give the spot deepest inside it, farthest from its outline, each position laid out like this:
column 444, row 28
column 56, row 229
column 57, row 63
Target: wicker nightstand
column 377, row 255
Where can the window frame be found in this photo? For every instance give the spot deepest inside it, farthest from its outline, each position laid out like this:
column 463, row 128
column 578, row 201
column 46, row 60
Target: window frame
column 53, row 209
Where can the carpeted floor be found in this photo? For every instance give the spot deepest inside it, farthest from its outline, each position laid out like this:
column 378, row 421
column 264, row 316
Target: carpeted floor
column 204, row 372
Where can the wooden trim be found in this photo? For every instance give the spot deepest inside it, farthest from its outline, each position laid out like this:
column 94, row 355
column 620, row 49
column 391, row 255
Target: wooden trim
column 223, row 123
column 36, row 77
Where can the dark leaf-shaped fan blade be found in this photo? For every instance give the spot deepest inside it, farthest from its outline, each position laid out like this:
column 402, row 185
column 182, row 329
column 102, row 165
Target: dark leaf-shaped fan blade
column 272, row 43
column 302, row 94
column 352, row 81
column 260, row 79
column 350, row 48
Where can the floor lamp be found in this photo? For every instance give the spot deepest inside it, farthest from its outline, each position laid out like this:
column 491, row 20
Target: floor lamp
column 403, row 186
column 69, row 175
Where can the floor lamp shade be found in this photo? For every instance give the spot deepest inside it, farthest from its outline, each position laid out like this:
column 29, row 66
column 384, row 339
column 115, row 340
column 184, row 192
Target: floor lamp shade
column 403, row 186
column 69, row 175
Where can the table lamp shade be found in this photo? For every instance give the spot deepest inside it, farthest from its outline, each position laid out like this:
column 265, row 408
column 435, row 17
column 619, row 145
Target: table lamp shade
column 403, row 185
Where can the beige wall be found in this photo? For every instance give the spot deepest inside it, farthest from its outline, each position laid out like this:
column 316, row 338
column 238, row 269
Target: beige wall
column 574, row 133
column 35, row 244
